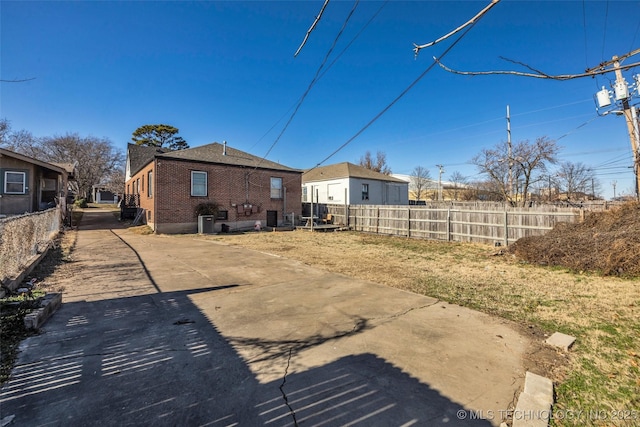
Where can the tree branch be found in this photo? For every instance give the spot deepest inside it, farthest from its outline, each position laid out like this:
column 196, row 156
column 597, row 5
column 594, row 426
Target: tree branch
column 479, row 15
column 313, row 26
column 17, row 80
column 535, row 70
column 536, row 74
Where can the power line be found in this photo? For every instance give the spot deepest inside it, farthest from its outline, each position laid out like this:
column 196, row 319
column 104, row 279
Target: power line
column 576, row 128
column 604, row 34
column 633, row 42
column 459, row 128
column 403, row 93
column 620, row 158
column 313, row 82
column 326, row 69
column 584, row 26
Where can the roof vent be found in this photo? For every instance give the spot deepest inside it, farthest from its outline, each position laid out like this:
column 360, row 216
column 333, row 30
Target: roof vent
column 224, row 148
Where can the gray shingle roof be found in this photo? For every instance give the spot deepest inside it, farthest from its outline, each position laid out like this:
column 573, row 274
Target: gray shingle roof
column 214, row 153
column 51, row 166
column 345, row 170
column 141, row 155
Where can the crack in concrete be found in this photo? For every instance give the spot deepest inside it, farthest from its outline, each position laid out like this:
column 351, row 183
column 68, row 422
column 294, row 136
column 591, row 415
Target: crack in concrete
column 284, row 395
column 405, row 312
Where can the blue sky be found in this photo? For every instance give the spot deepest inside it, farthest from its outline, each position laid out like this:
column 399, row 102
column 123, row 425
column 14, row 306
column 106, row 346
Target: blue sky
column 226, row 71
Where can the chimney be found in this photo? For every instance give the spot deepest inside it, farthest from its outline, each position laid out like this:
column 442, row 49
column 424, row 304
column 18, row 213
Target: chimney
column 224, row 148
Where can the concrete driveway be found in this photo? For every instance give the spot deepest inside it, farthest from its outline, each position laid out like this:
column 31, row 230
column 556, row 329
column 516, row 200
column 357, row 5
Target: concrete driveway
column 179, row 330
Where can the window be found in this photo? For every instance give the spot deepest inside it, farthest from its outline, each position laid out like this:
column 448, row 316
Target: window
column 304, row 194
column 137, row 189
column 365, row 191
column 142, row 184
column 276, row 188
column 15, row 182
column 150, row 184
column 223, row 215
column 198, row 183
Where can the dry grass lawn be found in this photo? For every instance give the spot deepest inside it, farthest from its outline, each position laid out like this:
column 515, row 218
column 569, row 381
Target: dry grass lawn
column 602, row 375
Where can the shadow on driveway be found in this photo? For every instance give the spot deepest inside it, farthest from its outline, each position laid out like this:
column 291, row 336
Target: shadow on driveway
column 157, row 360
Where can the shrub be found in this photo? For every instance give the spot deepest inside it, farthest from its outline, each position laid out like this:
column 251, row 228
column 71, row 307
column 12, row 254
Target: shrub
column 81, row 203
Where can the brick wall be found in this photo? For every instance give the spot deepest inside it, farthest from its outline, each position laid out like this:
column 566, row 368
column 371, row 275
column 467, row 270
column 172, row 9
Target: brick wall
column 146, row 200
column 231, row 187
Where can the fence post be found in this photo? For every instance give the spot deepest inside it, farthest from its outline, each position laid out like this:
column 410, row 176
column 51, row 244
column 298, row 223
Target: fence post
column 346, row 208
column 506, row 228
column 409, row 221
column 448, row 225
column 377, row 220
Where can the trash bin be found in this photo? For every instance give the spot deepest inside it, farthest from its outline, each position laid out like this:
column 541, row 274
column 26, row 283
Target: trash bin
column 225, row 228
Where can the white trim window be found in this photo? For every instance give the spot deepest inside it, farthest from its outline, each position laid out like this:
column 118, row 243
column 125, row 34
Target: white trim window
column 198, row 183
column 365, row 191
column 276, row 188
column 15, row 182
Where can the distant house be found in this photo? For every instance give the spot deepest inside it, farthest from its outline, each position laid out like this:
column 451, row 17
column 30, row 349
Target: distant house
column 99, row 194
column 30, row 185
column 346, row 183
column 169, row 185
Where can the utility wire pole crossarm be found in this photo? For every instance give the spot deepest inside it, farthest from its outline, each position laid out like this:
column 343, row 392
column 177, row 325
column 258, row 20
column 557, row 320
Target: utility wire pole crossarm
column 623, row 96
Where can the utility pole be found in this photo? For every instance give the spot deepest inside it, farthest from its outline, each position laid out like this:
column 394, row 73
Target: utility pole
column 441, row 168
column 613, row 184
column 509, row 154
column 629, row 113
column 621, row 94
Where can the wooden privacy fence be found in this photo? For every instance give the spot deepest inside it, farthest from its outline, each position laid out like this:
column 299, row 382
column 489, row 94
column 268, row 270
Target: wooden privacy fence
column 490, row 225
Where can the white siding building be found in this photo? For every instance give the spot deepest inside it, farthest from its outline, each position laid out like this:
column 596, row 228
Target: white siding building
column 346, row 183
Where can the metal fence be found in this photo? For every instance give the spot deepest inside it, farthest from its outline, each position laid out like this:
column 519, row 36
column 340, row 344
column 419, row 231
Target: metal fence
column 491, row 223
column 23, row 237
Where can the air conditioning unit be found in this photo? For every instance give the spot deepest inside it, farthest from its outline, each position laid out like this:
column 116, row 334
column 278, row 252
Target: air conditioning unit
column 205, row 224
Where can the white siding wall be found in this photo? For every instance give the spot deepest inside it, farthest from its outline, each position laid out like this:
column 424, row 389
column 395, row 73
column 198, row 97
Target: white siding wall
column 330, row 191
column 380, row 192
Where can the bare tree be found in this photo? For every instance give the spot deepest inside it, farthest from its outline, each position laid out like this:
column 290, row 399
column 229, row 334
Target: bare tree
column 495, row 164
column 20, row 141
column 535, row 73
column 378, row 165
column 96, row 158
column 420, row 182
column 484, row 190
column 459, row 182
column 526, row 160
column 114, row 181
column 471, row 21
column 313, row 26
column 572, row 178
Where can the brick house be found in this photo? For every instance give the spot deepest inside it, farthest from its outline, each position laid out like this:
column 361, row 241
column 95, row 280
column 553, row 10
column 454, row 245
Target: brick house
column 169, row 185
